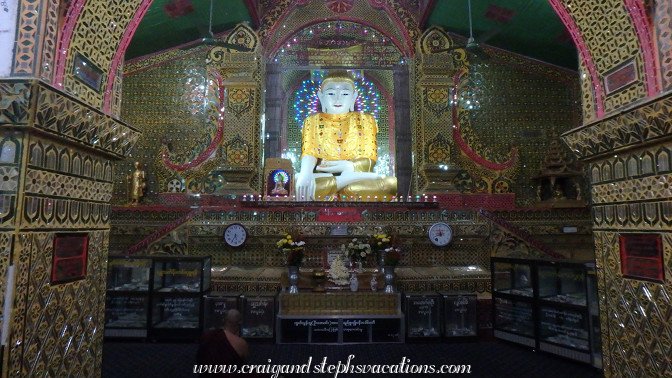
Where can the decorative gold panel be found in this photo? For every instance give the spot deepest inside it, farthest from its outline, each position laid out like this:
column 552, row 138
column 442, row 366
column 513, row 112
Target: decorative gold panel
column 295, row 16
column 663, row 28
column 6, row 241
column 508, row 90
column 611, row 39
column 359, row 303
column 108, row 18
column 646, row 123
column 57, row 329
column 27, row 54
column 15, row 104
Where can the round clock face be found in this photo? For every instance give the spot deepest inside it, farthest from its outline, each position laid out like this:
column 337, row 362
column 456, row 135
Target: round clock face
column 440, row 234
column 235, row 235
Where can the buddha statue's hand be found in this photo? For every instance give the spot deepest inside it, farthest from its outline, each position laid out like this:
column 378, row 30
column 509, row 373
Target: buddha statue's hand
column 305, row 180
column 336, row 166
column 305, row 186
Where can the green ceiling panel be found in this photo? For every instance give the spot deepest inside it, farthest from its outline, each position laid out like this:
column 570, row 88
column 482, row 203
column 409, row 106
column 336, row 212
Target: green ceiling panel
column 534, row 30
column 158, row 31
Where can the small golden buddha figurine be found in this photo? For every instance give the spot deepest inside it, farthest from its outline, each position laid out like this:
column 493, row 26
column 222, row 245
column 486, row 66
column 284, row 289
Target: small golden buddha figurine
column 136, row 181
column 339, row 148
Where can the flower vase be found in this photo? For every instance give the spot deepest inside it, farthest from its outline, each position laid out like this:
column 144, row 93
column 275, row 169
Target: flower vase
column 354, row 282
column 374, row 282
column 381, row 259
column 293, row 278
column 389, row 279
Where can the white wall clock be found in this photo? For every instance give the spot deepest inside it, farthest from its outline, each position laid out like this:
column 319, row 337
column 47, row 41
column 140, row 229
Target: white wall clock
column 235, row 235
column 440, row 234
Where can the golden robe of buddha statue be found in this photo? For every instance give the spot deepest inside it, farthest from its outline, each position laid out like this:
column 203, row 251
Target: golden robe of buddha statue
column 339, row 148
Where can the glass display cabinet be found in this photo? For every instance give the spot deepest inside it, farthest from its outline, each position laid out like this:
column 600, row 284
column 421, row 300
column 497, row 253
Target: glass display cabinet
column 126, row 315
column 548, row 304
column 178, row 286
column 423, row 314
column 258, row 311
column 182, row 274
column 215, row 306
column 128, row 274
column 156, row 297
column 175, row 317
column 513, row 296
column 567, row 310
column 127, row 297
column 460, row 315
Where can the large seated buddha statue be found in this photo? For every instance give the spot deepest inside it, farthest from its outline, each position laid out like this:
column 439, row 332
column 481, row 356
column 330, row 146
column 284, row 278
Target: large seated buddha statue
column 339, row 148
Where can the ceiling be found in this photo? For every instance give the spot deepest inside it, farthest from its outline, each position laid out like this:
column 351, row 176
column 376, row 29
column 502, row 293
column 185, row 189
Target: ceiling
column 527, row 27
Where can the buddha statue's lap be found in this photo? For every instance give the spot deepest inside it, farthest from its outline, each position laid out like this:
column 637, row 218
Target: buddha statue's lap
column 339, row 148
column 384, row 188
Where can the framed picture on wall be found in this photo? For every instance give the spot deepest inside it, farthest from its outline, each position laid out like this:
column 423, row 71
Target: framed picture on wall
column 641, row 256
column 69, row 258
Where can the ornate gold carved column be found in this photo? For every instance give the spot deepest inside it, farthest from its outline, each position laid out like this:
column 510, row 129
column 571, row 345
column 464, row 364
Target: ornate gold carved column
column 434, row 87
column 242, row 75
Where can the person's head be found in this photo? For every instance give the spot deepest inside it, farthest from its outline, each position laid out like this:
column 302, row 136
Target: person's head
column 233, row 321
column 337, row 93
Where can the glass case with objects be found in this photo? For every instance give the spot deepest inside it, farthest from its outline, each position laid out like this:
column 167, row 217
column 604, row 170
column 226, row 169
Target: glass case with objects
column 182, row 274
column 175, row 317
column 156, row 297
column 128, row 274
column 460, row 315
column 423, row 314
column 513, row 278
column 126, row 315
column 127, row 297
column 564, row 310
column 258, row 311
column 514, row 320
column 548, row 304
column 215, row 306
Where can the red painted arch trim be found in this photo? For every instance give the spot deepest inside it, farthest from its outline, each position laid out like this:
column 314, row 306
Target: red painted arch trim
column 584, row 54
column 71, row 18
column 643, row 29
column 121, row 50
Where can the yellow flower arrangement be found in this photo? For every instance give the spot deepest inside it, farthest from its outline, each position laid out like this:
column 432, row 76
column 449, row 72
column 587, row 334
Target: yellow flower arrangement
column 380, row 241
column 293, row 248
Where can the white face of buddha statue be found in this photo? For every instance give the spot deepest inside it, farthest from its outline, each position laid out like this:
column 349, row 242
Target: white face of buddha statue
column 337, row 97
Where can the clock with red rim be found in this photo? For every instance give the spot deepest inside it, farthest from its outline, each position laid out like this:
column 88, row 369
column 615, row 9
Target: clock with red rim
column 440, row 234
column 235, row 235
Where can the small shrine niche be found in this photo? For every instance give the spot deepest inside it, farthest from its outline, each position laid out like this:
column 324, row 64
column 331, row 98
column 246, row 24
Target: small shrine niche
column 559, row 182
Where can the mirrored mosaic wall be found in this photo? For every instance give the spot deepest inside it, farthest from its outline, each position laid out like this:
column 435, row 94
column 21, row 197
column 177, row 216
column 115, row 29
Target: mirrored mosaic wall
column 630, row 172
column 503, row 100
column 56, row 180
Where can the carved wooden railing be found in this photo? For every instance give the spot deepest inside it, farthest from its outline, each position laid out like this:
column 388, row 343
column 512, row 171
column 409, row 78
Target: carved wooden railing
column 144, row 243
column 520, row 233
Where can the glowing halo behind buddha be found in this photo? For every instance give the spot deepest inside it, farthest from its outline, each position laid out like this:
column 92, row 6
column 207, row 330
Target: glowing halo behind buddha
column 339, row 148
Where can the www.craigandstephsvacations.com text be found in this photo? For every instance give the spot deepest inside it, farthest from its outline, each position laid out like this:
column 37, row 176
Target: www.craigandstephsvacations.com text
column 334, row 369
